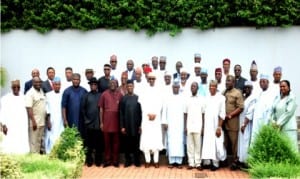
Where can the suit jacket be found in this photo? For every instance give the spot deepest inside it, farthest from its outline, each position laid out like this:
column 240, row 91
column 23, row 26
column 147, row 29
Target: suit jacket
column 27, row 86
column 46, row 86
column 133, row 77
column 176, row 75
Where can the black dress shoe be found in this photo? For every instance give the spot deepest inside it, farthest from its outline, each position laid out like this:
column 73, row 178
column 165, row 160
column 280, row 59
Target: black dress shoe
column 127, row 164
column 213, row 168
column 137, row 164
column 234, row 166
column 98, row 164
column 106, row 165
column 116, row 165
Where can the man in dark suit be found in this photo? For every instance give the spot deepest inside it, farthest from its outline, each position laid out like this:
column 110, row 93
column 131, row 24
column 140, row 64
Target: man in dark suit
column 130, row 70
column 28, row 84
column 47, row 85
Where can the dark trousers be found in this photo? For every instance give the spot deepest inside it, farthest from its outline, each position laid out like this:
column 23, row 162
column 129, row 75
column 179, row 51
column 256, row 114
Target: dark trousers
column 111, row 147
column 231, row 142
column 131, row 146
column 93, row 141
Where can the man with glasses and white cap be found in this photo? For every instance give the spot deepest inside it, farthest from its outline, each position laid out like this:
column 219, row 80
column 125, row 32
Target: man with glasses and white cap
column 151, row 136
column 13, row 118
column 262, row 109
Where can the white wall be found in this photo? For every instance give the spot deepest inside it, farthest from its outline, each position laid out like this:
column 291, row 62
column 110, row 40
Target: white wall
column 21, row 51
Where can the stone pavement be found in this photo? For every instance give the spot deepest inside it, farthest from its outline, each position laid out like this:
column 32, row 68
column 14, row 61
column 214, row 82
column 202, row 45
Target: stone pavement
column 162, row 172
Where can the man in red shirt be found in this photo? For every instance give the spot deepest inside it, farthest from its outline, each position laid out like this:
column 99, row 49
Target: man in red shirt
column 109, row 123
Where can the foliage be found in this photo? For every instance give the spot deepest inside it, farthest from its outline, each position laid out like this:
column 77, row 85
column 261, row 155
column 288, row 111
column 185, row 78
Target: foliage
column 69, row 147
column 39, row 166
column 3, row 76
column 154, row 16
column 286, row 170
column 272, row 155
column 9, row 168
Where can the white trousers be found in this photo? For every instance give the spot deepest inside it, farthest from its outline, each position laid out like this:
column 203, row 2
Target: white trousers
column 194, row 143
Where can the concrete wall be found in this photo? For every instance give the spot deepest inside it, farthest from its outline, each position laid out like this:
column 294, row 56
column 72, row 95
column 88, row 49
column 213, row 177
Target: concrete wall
column 21, row 51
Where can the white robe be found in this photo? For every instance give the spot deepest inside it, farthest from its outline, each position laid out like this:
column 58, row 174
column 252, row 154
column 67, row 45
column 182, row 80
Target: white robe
column 173, row 116
column 53, row 107
column 262, row 112
column 14, row 116
column 151, row 136
column 215, row 107
column 244, row 138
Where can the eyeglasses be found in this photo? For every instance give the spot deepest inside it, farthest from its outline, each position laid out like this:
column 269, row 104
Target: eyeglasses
column 151, row 78
column 113, row 61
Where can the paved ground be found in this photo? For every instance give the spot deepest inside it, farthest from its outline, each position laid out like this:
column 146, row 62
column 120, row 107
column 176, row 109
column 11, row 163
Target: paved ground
column 161, row 172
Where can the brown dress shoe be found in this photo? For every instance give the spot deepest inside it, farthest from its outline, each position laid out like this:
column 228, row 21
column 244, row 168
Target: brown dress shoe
column 190, row 167
column 156, row 165
column 170, row 166
column 199, row 168
column 147, row 165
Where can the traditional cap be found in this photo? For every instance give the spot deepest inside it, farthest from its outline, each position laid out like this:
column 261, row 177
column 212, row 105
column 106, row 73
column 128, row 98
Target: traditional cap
column 93, row 81
column 113, row 78
column 129, row 82
column 218, row 70
column 152, row 74
column 56, row 80
column 197, row 55
column 253, row 65
column 248, row 83
column 162, row 58
column 154, row 58
column 167, row 73
column 278, row 69
column 15, row 82
column 147, row 69
column 203, row 71
column 226, row 60
column 176, row 82
column 197, row 65
column 89, row 70
column 183, row 70
column 264, row 77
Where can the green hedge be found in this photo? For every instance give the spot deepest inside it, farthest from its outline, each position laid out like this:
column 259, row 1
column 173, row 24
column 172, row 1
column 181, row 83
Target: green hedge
column 154, row 16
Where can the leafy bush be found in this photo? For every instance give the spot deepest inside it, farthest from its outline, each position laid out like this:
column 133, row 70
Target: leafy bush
column 69, row 147
column 9, row 168
column 154, row 16
column 272, row 155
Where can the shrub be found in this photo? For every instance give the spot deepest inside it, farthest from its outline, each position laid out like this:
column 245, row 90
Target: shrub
column 9, row 168
column 69, row 147
column 272, row 155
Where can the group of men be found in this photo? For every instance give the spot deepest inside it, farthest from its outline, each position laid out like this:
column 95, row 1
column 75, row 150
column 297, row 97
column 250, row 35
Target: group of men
column 147, row 108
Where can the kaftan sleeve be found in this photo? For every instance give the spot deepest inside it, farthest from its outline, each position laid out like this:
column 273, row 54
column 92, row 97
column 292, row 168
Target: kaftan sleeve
column 288, row 112
column 250, row 109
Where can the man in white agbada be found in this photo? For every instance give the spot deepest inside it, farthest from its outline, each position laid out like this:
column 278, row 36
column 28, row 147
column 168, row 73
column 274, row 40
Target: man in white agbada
column 246, row 123
column 173, row 122
column 256, row 90
column 151, row 136
column 193, row 125
column 54, row 121
column 166, row 90
column 13, row 117
column 214, row 117
column 262, row 109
